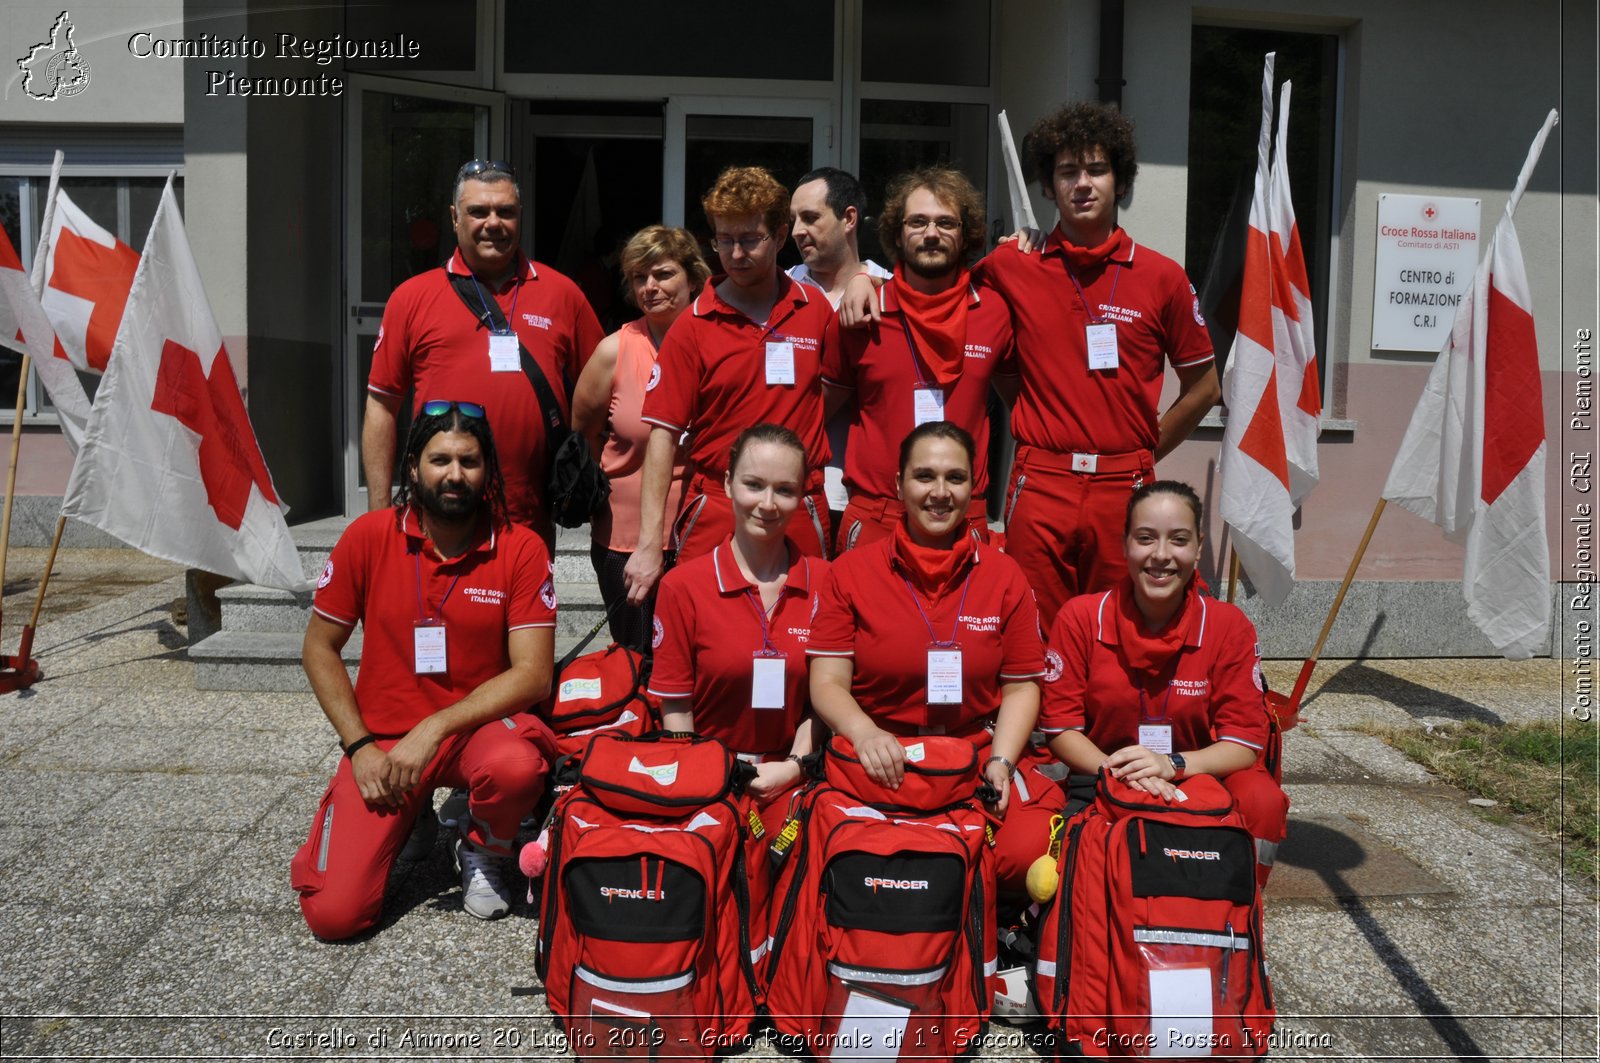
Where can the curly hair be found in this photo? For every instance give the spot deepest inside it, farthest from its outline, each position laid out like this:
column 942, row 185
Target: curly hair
column 656, row 242
column 424, row 428
column 741, row 190
column 952, row 188
column 1077, row 127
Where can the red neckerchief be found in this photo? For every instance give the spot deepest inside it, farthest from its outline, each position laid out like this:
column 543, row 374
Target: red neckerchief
column 932, row 571
column 1148, row 654
column 1088, row 257
column 938, row 322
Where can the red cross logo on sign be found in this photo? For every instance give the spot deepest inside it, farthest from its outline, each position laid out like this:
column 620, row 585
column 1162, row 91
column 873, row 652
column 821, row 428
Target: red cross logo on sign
column 1430, row 211
column 230, row 460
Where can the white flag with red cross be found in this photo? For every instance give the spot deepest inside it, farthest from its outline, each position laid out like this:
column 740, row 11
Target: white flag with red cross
column 1299, row 383
column 1257, row 501
column 87, row 274
column 1472, row 460
column 25, row 329
column 170, row 463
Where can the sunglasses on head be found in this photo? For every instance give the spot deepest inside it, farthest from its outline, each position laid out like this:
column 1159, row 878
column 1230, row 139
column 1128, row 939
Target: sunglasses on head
column 440, row 407
column 482, row 166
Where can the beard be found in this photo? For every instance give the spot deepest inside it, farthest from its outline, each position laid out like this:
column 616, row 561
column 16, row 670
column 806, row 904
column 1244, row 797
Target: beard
column 931, row 263
column 449, row 504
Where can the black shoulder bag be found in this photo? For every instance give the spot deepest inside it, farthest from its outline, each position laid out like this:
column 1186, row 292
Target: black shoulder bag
column 575, row 486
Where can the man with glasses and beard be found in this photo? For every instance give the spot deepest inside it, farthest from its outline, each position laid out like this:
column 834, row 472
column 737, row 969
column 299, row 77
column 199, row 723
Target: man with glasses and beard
column 457, row 609
column 457, row 330
column 931, row 354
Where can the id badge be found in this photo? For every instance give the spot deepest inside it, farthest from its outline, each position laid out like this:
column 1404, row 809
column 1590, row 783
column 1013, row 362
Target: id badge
column 927, row 404
column 944, row 675
column 428, row 645
column 1156, row 737
column 766, row 680
column 1102, row 340
column 505, row 355
column 780, row 363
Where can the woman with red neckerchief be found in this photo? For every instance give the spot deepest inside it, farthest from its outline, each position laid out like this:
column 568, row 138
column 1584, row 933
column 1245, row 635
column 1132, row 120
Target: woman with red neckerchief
column 1154, row 682
column 931, row 632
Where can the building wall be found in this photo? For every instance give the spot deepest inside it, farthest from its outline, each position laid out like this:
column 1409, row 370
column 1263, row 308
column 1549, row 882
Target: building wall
column 122, row 88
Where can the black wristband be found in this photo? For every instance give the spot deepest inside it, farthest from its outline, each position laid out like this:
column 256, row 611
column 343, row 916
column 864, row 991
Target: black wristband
column 350, row 750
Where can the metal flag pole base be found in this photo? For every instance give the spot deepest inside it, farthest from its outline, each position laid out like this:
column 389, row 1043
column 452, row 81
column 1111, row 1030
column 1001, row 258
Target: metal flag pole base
column 1287, row 709
column 19, row 671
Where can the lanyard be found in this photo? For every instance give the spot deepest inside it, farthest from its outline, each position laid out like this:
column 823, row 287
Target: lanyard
column 488, row 315
column 761, row 616
column 1112, row 298
column 916, row 359
column 1144, row 702
column 954, row 628
column 416, row 556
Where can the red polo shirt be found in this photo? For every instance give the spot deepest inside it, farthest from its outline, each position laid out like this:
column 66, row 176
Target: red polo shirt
column 870, row 614
column 431, row 342
column 708, row 628
column 377, row 573
column 1214, row 694
column 1063, row 405
column 713, row 374
column 878, row 362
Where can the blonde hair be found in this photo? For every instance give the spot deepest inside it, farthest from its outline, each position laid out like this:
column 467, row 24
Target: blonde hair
column 656, row 242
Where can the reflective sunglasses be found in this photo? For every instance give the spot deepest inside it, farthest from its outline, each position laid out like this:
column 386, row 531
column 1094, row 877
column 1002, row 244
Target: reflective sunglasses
column 440, row 407
column 482, row 166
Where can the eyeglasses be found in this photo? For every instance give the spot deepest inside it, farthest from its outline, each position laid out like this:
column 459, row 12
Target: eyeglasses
column 482, row 166
column 944, row 223
column 747, row 244
column 440, row 407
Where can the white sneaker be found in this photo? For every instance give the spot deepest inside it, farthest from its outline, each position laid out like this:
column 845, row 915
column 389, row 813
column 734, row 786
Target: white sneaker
column 483, row 893
column 453, row 812
column 423, row 835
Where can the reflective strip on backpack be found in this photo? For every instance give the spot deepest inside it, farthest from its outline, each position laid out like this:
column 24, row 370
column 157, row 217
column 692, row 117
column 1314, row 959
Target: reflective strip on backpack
column 1266, row 852
column 1153, row 936
column 991, row 968
column 1047, row 967
column 865, row 974
column 760, row 951
column 660, row 985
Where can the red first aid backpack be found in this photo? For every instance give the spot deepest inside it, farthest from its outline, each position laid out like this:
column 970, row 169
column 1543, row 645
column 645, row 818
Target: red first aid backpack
column 644, row 940
column 1152, row 947
column 599, row 691
column 883, row 917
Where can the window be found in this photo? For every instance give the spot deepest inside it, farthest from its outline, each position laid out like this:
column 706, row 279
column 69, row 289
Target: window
column 1224, row 123
column 901, row 135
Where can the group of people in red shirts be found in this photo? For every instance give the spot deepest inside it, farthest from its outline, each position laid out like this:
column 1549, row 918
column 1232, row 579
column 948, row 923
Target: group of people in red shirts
column 1077, row 636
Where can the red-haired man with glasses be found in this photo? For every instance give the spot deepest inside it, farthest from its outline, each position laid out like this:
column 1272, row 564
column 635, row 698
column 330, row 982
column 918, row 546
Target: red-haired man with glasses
column 460, row 330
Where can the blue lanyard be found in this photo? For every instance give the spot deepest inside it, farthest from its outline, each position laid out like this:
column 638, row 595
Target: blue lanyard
column 916, row 360
column 1112, row 298
column 511, row 318
column 416, row 557
column 955, row 628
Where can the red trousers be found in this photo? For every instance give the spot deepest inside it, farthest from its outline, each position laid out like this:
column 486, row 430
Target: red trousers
column 342, row 869
column 868, row 519
column 1064, row 524
column 706, row 518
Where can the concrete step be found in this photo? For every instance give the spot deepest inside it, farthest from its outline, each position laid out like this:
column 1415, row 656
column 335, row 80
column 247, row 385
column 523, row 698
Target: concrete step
column 270, row 661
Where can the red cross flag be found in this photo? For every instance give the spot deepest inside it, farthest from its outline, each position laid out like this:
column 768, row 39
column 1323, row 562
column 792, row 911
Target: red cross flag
column 1264, row 475
column 87, row 275
column 25, row 329
column 170, row 463
column 1472, row 460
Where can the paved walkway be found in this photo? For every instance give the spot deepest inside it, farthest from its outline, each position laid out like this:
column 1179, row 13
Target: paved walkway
column 149, row 827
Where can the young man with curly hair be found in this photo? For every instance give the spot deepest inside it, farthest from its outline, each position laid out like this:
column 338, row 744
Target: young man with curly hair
column 1098, row 318
column 749, row 350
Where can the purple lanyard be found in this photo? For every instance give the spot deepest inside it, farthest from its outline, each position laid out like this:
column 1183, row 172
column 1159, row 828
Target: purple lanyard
column 916, row 358
column 1112, row 298
column 416, row 556
column 511, row 318
column 1144, row 702
column 955, row 628
column 761, row 616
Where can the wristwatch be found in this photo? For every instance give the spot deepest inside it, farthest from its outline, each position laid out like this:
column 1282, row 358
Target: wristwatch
column 1178, row 765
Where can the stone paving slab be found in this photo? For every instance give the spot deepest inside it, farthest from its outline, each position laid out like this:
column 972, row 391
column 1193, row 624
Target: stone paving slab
column 144, row 870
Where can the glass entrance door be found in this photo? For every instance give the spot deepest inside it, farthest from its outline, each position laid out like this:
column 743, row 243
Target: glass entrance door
column 410, row 141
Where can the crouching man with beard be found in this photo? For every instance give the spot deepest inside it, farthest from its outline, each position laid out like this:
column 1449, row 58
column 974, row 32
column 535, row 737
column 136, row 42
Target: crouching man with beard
column 457, row 609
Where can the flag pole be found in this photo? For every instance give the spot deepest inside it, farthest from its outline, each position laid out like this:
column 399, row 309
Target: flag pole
column 1233, row 574
column 1289, row 708
column 14, row 671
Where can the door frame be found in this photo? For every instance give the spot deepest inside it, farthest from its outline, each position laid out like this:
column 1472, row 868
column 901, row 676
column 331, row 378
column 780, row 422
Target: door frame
column 824, row 141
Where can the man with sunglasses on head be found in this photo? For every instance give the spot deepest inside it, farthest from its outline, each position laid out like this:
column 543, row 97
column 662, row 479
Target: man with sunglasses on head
column 461, row 330
column 749, row 351
column 457, row 609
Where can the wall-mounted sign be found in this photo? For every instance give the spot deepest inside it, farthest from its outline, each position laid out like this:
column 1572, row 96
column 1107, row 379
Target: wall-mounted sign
column 1427, row 251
